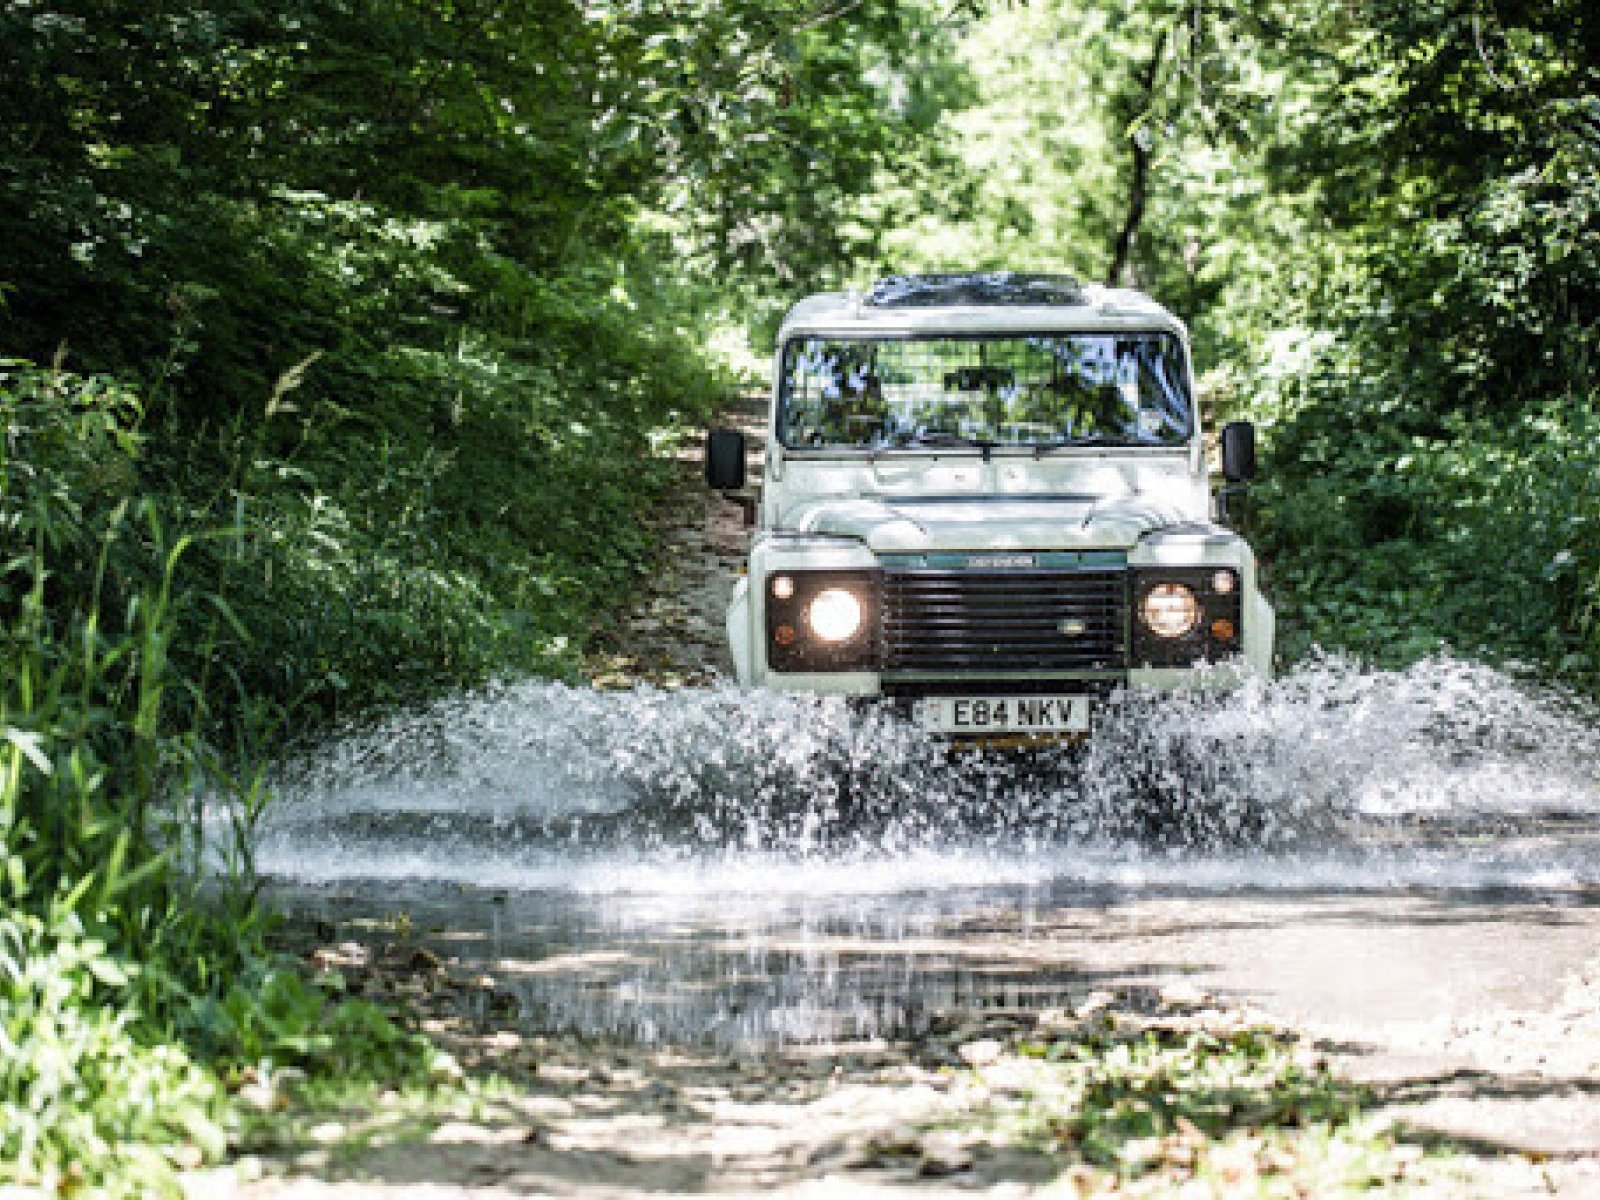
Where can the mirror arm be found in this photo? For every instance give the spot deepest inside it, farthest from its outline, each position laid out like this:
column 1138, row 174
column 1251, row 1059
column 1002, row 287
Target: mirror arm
column 1227, row 492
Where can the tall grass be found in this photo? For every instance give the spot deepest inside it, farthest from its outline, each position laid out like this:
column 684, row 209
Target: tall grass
column 133, row 987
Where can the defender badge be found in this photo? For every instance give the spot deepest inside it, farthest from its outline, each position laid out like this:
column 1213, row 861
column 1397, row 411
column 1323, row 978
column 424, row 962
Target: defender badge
column 1072, row 627
column 1001, row 562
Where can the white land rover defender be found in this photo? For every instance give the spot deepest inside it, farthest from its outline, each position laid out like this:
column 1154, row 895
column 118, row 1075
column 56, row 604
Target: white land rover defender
column 986, row 498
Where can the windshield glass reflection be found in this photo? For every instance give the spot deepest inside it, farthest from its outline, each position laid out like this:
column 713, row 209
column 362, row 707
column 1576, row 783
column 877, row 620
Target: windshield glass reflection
column 1030, row 390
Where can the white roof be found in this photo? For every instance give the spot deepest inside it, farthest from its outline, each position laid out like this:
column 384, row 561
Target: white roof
column 849, row 314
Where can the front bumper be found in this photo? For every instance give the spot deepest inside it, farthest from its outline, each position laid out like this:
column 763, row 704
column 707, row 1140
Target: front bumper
column 1110, row 664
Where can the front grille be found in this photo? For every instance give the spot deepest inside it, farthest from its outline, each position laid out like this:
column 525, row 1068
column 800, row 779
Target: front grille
column 1005, row 620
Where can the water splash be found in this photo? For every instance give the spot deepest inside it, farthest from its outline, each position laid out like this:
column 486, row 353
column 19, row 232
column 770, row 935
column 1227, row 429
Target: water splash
column 1447, row 774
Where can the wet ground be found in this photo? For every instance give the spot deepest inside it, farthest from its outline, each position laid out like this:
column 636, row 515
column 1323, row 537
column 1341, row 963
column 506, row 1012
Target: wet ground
column 728, row 933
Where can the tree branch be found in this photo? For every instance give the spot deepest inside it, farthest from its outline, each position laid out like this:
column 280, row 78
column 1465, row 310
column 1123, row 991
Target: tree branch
column 831, row 15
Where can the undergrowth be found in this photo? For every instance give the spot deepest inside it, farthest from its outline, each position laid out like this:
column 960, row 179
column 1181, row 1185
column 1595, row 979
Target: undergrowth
column 168, row 620
column 1395, row 535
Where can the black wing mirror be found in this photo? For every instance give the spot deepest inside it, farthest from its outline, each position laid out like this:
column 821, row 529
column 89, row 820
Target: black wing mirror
column 725, row 460
column 1239, row 452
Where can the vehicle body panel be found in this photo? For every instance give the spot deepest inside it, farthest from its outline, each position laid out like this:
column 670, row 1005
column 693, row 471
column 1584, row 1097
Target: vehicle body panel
column 855, row 509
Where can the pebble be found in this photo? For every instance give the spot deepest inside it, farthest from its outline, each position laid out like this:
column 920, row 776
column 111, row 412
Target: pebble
column 443, row 1068
column 940, row 1160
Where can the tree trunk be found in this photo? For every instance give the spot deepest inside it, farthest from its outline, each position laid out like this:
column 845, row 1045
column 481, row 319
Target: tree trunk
column 1121, row 273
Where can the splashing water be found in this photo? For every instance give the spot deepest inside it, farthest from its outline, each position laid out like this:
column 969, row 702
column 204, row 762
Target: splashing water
column 757, row 870
column 1449, row 773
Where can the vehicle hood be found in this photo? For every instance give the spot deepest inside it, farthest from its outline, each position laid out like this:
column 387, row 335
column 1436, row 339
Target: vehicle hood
column 989, row 522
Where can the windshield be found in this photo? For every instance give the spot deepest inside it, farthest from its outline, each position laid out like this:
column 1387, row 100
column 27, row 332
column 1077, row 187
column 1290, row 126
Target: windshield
column 1034, row 390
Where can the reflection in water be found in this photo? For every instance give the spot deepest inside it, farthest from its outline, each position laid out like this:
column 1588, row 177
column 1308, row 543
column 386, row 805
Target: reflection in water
column 801, row 976
column 742, row 972
column 750, row 971
column 756, row 869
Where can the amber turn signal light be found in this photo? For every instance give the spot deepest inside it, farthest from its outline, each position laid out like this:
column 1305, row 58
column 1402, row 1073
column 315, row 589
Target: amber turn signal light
column 784, row 635
column 1222, row 629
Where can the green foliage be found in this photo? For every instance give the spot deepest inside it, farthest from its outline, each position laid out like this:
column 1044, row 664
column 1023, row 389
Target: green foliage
column 84, row 1100
column 1467, row 142
column 113, row 958
column 1151, row 1085
column 1431, row 477
column 272, row 1018
column 1391, row 539
column 87, row 677
column 99, row 936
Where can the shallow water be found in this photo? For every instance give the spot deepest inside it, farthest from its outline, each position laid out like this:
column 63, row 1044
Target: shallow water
column 755, row 869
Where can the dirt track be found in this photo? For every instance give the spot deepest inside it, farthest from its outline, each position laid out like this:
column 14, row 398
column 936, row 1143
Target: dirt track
column 675, row 635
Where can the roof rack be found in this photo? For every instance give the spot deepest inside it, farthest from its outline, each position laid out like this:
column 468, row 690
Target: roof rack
column 976, row 287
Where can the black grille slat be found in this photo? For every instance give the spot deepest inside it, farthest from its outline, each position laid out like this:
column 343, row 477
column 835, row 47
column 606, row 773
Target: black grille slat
column 946, row 588
column 1003, row 620
column 983, row 629
column 980, row 664
column 989, row 630
column 1032, row 610
column 1050, row 640
column 1016, row 605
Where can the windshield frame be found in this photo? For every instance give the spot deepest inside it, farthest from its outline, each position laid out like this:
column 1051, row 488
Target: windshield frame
column 980, row 448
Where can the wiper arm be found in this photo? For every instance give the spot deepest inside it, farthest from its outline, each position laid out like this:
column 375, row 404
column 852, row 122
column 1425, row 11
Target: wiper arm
column 1096, row 439
column 938, row 437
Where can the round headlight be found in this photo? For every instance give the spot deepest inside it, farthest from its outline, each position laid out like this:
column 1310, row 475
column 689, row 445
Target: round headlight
column 1169, row 610
column 835, row 615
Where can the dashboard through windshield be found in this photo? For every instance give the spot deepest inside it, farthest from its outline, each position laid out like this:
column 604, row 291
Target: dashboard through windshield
column 1026, row 390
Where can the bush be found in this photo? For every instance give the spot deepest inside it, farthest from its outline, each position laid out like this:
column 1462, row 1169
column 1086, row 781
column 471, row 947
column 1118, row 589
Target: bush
column 1391, row 538
column 85, row 1100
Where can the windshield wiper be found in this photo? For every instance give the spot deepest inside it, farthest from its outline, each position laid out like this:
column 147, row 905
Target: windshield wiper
column 937, row 437
column 1098, row 439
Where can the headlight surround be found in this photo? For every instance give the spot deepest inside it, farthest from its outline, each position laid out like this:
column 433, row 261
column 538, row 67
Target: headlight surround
column 822, row 620
column 1186, row 615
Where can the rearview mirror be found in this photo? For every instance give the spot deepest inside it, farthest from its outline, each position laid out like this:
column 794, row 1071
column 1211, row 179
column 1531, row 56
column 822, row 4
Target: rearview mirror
column 1238, row 451
column 725, row 455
